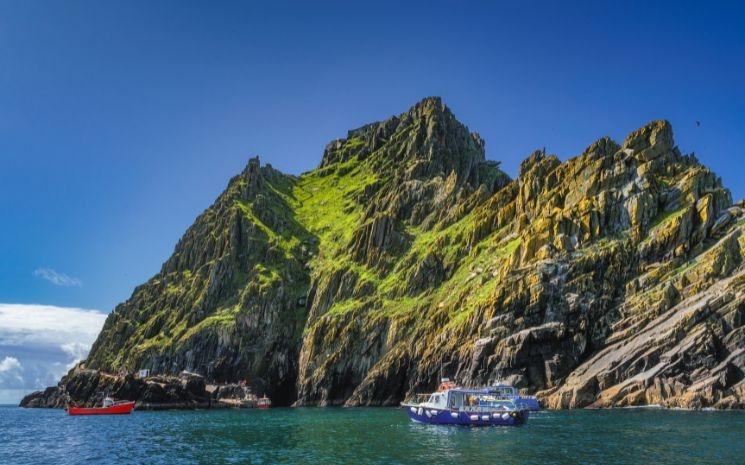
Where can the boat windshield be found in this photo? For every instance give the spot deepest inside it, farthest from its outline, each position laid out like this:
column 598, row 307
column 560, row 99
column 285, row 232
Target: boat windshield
column 437, row 399
column 504, row 390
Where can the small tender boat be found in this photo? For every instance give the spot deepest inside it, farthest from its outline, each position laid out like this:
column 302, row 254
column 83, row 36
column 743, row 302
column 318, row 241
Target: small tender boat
column 452, row 405
column 264, row 403
column 109, row 407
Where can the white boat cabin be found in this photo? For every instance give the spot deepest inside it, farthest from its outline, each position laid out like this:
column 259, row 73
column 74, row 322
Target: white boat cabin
column 467, row 401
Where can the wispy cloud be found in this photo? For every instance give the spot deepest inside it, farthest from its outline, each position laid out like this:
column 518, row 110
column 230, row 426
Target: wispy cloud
column 56, row 278
column 39, row 343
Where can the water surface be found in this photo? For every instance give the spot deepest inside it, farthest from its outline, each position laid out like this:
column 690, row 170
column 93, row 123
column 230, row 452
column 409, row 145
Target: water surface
column 368, row 436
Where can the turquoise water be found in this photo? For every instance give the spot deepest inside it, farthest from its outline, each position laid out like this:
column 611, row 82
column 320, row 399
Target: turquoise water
column 368, row 436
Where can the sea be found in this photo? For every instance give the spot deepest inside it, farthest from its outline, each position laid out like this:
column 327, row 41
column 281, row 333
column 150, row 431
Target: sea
column 369, row 436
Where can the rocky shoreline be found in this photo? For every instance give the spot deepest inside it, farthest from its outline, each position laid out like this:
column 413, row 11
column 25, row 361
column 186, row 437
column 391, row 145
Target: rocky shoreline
column 189, row 391
column 87, row 388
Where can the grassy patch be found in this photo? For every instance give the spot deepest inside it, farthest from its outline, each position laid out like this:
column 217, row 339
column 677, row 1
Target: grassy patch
column 326, row 202
column 222, row 318
column 343, row 307
column 665, row 217
column 354, row 143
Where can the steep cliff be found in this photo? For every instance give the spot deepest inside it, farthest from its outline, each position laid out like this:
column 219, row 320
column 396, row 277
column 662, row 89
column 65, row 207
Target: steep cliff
column 612, row 278
column 229, row 303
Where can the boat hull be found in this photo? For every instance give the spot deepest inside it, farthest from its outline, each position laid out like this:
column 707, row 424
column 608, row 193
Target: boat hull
column 433, row 416
column 119, row 409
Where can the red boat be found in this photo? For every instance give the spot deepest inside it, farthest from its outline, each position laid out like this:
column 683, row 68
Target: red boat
column 264, row 403
column 109, row 408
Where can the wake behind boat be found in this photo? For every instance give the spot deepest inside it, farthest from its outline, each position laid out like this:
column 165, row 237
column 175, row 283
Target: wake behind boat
column 452, row 405
column 109, row 407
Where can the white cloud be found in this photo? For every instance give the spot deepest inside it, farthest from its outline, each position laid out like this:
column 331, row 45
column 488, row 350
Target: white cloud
column 56, row 278
column 40, row 343
column 48, row 325
column 77, row 350
column 10, row 372
column 9, row 363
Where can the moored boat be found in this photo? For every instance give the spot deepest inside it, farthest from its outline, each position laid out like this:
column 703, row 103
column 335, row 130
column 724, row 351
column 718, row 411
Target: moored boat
column 264, row 403
column 452, row 405
column 109, row 407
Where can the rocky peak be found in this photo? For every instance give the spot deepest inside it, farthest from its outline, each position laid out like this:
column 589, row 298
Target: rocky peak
column 425, row 142
column 252, row 177
column 441, row 144
column 428, row 166
column 650, row 141
column 255, row 176
column 603, row 147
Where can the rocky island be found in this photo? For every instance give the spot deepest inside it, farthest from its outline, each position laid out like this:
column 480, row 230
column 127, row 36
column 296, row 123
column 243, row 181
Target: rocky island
column 614, row 278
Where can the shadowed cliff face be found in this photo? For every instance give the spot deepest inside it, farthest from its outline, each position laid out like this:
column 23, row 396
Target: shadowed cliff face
column 613, row 278
column 229, row 303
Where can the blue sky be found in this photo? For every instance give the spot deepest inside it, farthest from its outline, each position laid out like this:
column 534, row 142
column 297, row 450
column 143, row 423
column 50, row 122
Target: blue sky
column 120, row 123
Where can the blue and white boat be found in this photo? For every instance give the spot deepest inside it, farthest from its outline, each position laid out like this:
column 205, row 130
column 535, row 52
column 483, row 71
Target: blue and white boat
column 471, row 407
column 506, row 391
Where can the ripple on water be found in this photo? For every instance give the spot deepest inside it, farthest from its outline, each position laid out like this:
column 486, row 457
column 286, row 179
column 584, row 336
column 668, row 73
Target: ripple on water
column 368, row 436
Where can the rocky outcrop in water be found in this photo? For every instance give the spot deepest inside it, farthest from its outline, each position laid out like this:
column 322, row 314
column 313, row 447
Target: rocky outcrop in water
column 613, row 278
column 87, row 388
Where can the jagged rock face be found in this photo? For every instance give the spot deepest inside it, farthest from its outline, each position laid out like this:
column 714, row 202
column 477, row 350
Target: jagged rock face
column 427, row 162
column 228, row 302
column 612, row 278
column 529, row 283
